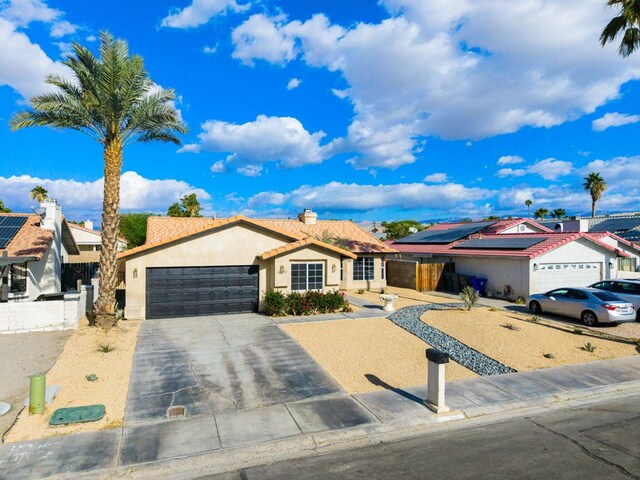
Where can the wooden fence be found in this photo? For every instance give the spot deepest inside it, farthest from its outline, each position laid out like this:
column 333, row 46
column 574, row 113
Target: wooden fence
column 423, row 277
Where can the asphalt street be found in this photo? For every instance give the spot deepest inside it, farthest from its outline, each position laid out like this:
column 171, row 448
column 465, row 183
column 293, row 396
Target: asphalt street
column 600, row 441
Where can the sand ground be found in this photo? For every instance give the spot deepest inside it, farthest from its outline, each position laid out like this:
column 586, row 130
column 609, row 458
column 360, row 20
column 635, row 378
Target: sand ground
column 406, row 297
column 523, row 348
column 352, row 349
column 80, row 358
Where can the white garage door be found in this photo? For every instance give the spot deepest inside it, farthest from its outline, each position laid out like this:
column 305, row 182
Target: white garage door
column 556, row 275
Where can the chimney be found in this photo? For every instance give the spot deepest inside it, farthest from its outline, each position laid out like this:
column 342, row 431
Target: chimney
column 308, row 217
column 88, row 224
column 52, row 220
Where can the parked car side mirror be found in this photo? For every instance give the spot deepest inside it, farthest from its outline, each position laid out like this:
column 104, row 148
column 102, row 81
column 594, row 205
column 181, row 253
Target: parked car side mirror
column 552, row 298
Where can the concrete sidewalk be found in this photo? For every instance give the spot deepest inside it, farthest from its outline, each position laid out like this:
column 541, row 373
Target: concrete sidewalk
column 254, row 435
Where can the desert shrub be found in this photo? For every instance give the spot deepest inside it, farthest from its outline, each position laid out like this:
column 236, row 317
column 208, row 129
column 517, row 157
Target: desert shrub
column 106, row 347
column 510, row 326
column 275, row 303
column 361, row 291
column 589, row 347
column 549, row 355
column 470, row 297
column 520, row 301
column 535, row 319
column 305, row 303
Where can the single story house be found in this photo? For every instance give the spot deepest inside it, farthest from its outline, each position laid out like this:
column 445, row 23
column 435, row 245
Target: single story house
column 89, row 243
column 32, row 246
column 524, row 262
column 204, row 266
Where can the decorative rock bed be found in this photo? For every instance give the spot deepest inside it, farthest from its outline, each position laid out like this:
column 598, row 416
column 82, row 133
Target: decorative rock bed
column 409, row 319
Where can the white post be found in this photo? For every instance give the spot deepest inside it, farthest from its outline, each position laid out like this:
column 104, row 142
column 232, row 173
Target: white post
column 437, row 361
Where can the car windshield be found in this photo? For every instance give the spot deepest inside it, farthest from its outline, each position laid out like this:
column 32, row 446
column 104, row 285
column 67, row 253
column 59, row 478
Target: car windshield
column 607, row 297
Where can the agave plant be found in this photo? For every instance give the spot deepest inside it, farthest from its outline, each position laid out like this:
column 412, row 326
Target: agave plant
column 470, row 297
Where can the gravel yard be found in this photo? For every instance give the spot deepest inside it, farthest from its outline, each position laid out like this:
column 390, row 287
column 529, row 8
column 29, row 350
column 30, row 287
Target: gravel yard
column 80, row 358
column 352, row 349
column 513, row 340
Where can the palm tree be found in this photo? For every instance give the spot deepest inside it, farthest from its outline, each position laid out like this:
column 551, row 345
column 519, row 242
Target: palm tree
column 528, row 203
column 541, row 213
column 596, row 186
column 112, row 100
column 3, row 208
column 559, row 213
column 39, row 193
column 628, row 20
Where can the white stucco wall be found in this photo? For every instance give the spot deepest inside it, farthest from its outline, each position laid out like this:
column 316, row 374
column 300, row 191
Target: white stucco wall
column 22, row 317
column 498, row 271
column 329, row 260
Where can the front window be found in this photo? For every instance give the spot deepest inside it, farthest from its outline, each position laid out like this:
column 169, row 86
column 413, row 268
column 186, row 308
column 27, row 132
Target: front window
column 363, row 268
column 18, row 278
column 307, row 276
column 382, row 269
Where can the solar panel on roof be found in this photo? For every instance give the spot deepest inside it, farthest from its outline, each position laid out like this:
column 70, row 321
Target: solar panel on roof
column 500, row 243
column 616, row 224
column 9, row 226
column 445, row 236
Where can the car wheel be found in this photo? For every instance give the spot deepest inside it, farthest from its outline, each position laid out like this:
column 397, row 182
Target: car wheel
column 589, row 318
column 534, row 307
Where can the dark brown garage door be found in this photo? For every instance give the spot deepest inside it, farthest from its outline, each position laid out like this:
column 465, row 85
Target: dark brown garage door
column 194, row 291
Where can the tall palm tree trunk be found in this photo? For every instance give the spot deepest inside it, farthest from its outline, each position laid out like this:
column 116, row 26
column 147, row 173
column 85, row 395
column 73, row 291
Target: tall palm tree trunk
column 593, row 208
column 110, row 229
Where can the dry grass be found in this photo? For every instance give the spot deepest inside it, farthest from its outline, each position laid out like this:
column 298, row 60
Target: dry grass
column 524, row 348
column 351, row 349
column 80, row 358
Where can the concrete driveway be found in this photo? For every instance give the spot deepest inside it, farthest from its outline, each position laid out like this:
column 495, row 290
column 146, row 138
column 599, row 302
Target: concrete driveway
column 218, row 364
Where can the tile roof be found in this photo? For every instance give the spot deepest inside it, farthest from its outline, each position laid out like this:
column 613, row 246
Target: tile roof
column 184, row 227
column 289, row 247
column 550, row 241
column 344, row 232
column 31, row 240
column 91, row 230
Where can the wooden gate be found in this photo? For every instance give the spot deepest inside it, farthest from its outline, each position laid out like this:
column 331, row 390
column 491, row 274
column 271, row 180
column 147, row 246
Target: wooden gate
column 423, row 277
column 430, row 276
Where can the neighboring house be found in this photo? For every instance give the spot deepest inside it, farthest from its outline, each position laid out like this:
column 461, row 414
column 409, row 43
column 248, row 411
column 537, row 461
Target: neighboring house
column 617, row 223
column 89, row 243
column 32, row 247
column 203, row 266
column 526, row 262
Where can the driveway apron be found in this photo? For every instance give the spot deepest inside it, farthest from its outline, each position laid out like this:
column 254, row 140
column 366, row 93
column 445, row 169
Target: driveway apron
column 215, row 364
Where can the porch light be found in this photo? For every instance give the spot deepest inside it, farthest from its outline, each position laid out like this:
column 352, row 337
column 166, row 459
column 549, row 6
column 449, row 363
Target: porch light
column 611, row 264
column 282, row 270
column 535, row 267
column 135, row 273
column 334, row 268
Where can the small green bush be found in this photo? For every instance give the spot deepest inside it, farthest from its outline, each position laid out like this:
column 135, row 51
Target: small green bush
column 92, row 377
column 470, row 297
column 577, row 331
column 535, row 319
column 510, row 326
column 549, row 355
column 361, row 291
column 106, row 347
column 275, row 303
column 589, row 347
column 304, row 303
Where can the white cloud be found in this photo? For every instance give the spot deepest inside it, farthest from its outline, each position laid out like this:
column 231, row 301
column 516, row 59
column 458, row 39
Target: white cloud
column 436, row 178
column 66, row 48
column 613, row 119
column 550, row 168
column 63, row 28
column 260, row 38
column 620, row 173
column 91, row 38
column 80, row 199
column 510, row 160
column 267, row 139
column 293, row 83
column 210, row 49
column 22, row 12
column 441, row 61
column 510, row 172
column 337, row 196
column 341, row 94
column 23, row 64
column 200, row 12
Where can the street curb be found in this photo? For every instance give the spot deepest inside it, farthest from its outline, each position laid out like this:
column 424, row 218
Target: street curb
column 306, row 445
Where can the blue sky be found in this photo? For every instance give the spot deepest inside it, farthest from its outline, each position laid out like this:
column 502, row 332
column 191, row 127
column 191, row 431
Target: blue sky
column 425, row 109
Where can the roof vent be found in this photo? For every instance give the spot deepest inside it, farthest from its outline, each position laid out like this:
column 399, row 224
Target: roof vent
column 521, row 228
column 558, row 227
column 308, row 217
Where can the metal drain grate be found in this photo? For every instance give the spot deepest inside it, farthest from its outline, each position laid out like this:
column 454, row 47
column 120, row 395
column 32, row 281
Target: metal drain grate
column 176, row 412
